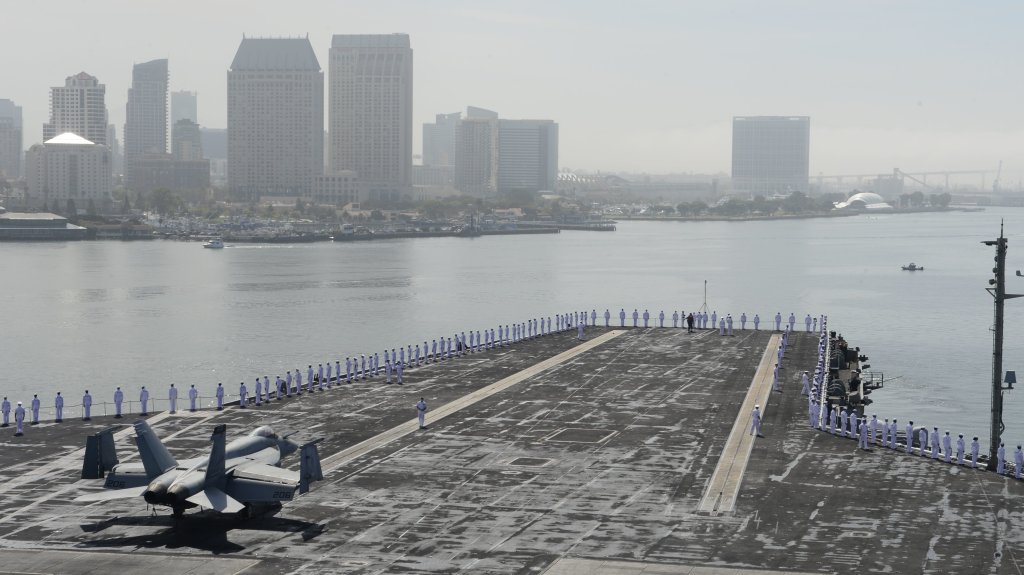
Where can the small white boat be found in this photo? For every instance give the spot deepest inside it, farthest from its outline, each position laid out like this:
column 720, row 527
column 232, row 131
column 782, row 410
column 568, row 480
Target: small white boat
column 912, row 267
column 214, row 244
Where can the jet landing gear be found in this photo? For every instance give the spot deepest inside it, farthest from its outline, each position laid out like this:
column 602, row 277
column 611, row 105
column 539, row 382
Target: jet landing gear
column 178, row 511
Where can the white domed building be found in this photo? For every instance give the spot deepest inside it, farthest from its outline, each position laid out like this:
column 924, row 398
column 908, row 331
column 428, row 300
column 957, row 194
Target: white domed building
column 869, row 201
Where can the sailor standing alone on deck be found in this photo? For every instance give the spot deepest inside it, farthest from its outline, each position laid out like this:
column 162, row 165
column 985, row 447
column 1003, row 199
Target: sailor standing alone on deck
column 421, row 412
column 755, row 421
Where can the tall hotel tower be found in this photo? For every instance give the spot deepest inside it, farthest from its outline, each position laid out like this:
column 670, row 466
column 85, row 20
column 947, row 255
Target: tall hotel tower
column 370, row 111
column 79, row 107
column 275, row 118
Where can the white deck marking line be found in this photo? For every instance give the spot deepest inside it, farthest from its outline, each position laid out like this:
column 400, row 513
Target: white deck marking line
column 720, row 496
column 342, row 457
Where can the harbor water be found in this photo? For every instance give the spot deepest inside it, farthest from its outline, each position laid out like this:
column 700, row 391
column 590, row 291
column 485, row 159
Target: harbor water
column 96, row 315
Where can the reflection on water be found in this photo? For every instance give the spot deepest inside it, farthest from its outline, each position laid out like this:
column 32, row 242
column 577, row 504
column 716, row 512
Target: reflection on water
column 111, row 312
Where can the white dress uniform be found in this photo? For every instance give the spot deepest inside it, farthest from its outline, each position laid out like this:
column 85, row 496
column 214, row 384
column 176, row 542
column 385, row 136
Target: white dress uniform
column 5, row 407
column 86, row 406
column 258, row 395
column 935, row 443
column 118, row 399
column 873, row 429
column 807, row 323
column 144, row 400
column 714, row 319
column 910, row 437
column 792, row 321
column 755, row 421
column 172, row 398
column 675, row 318
column 661, row 318
column 19, row 420
column 421, row 412
column 960, row 450
column 974, row 453
column 193, row 395
column 947, row 447
column 242, row 395
column 743, row 320
column 1018, row 460
column 757, row 321
column 1001, row 460
column 220, row 396
column 832, row 421
column 862, row 435
column 778, row 321
column 35, row 409
column 728, row 324
column 805, row 388
column 622, row 317
column 636, row 316
column 58, row 405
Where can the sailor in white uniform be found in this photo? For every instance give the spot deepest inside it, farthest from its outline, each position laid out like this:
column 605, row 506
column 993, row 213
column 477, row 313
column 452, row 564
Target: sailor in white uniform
column 805, row 388
column 714, row 319
column 675, row 318
column 144, row 400
column 309, row 378
column 35, row 409
column 935, row 443
column 193, row 394
column 19, row 420
column 807, row 323
column 58, row 405
column 721, row 327
column 974, row 453
column 288, row 381
column 947, row 447
column 728, row 324
column 757, row 321
column 910, row 437
column 622, row 317
column 242, row 395
column 421, row 413
column 755, row 421
column 743, row 320
column 885, row 433
column 960, row 450
column 873, row 428
column 1001, row 459
column 398, row 374
column 258, row 395
column 778, row 321
column 635, row 317
column 661, row 319
column 862, row 435
column 86, row 406
column 5, row 407
column 832, row 421
column 1018, row 460
column 607, row 317
column 118, row 399
column 298, row 379
column 172, row 398
column 792, row 320
column 922, row 438
column 266, row 389
column 843, row 420
column 892, row 434
column 220, row 396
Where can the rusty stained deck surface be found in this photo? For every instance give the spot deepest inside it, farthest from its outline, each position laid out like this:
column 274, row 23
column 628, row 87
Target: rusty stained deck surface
column 595, row 464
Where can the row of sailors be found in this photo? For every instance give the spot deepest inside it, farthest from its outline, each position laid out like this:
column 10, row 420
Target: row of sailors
column 700, row 320
column 756, row 415
column 356, row 369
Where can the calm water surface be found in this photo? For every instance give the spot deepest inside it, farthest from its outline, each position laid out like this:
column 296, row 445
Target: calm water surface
column 103, row 314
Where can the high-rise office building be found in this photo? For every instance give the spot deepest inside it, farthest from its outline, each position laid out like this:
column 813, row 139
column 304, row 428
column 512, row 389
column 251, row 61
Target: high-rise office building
column 527, row 156
column 370, row 111
column 79, row 107
column 275, row 118
column 11, row 140
column 184, row 106
column 439, row 140
column 145, row 128
column 476, row 154
column 187, row 140
column 770, row 154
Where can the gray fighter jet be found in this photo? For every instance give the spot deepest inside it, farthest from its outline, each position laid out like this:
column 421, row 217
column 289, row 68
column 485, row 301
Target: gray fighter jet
column 239, row 477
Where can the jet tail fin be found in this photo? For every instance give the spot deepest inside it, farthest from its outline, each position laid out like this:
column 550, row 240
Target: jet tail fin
column 215, row 467
column 155, row 458
column 100, row 454
column 309, row 466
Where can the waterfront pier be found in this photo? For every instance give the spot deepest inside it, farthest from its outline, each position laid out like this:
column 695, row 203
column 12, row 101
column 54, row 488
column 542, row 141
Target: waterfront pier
column 625, row 453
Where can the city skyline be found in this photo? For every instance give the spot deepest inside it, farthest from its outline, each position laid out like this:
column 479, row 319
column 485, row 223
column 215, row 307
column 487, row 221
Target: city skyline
column 651, row 90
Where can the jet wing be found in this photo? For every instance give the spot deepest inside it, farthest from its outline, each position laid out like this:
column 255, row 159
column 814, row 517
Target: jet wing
column 266, row 473
column 213, row 498
column 109, row 495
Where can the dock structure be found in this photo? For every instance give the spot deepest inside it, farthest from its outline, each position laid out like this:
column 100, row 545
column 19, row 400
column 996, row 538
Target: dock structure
column 629, row 452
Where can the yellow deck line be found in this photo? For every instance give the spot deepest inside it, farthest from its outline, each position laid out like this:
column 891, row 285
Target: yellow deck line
column 342, row 457
column 720, row 496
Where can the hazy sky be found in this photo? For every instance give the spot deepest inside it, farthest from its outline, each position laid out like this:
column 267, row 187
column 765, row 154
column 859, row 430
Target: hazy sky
column 639, row 86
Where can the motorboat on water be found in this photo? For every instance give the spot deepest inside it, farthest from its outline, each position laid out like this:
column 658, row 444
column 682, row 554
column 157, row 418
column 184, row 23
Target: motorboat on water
column 214, row 244
column 912, row 267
